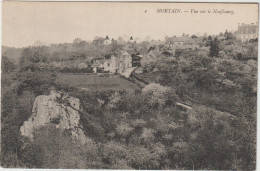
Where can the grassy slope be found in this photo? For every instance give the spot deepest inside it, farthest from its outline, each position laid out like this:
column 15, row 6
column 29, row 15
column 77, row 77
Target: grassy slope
column 95, row 82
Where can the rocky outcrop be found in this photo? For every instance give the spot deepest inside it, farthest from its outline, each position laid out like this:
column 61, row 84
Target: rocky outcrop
column 58, row 109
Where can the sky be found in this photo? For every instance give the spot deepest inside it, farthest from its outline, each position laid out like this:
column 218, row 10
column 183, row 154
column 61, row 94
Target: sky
column 24, row 23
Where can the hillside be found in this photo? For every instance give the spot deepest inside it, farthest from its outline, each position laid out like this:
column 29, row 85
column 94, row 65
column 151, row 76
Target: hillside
column 182, row 108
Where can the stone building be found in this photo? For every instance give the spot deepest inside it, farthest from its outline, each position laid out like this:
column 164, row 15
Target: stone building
column 97, row 65
column 118, row 63
column 136, row 60
column 246, row 32
column 151, row 57
column 107, row 41
column 183, row 42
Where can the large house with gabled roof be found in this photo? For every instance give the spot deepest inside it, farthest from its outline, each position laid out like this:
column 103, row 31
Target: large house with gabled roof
column 118, row 63
column 152, row 56
column 246, row 32
column 183, row 42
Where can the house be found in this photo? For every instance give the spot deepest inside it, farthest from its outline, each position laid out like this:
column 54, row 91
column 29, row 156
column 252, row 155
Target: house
column 107, row 41
column 89, row 60
column 131, row 40
column 110, row 65
column 82, row 65
column 136, row 60
column 246, row 32
column 97, row 65
column 137, row 40
column 183, row 42
column 221, row 38
column 155, row 42
column 118, row 63
column 150, row 57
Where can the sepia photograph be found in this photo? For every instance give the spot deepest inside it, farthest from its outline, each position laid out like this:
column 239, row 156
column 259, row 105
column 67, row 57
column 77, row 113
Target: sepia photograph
column 129, row 85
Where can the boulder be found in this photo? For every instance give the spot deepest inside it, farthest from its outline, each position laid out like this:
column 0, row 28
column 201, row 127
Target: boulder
column 58, row 109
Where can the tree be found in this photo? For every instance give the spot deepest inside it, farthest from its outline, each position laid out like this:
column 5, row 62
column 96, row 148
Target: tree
column 214, row 48
column 113, row 152
column 53, row 148
column 7, row 65
column 98, row 41
column 194, row 36
column 228, row 35
column 156, row 94
column 120, row 40
column 215, row 126
column 11, row 120
column 33, row 55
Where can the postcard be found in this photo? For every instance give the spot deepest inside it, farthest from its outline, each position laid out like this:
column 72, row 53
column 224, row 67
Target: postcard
column 129, row 85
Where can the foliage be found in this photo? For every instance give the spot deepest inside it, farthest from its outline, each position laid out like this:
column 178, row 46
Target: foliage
column 214, row 48
column 53, row 148
column 138, row 129
column 7, row 65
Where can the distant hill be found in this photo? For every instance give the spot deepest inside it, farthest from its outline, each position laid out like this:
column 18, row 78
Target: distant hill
column 13, row 54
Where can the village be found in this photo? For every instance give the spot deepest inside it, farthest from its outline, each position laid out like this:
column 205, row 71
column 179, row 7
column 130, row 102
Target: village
column 124, row 60
column 138, row 66
column 170, row 87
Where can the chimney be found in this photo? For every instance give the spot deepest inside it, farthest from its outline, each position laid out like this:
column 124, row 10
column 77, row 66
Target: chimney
column 238, row 24
column 243, row 24
column 252, row 24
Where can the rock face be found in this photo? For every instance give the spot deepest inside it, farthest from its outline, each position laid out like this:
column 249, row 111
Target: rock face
column 57, row 109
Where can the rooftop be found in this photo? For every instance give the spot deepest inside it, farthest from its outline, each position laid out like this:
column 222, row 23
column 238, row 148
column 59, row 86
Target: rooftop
column 184, row 39
column 247, row 28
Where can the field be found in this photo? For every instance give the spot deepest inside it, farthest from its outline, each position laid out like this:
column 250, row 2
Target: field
column 150, row 77
column 96, row 82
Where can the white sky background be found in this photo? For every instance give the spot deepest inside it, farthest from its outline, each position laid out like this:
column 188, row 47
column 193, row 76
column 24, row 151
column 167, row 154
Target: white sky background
column 24, row 23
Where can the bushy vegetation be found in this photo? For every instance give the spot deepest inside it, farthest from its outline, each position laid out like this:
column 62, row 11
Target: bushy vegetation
column 142, row 129
column 19, row 91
